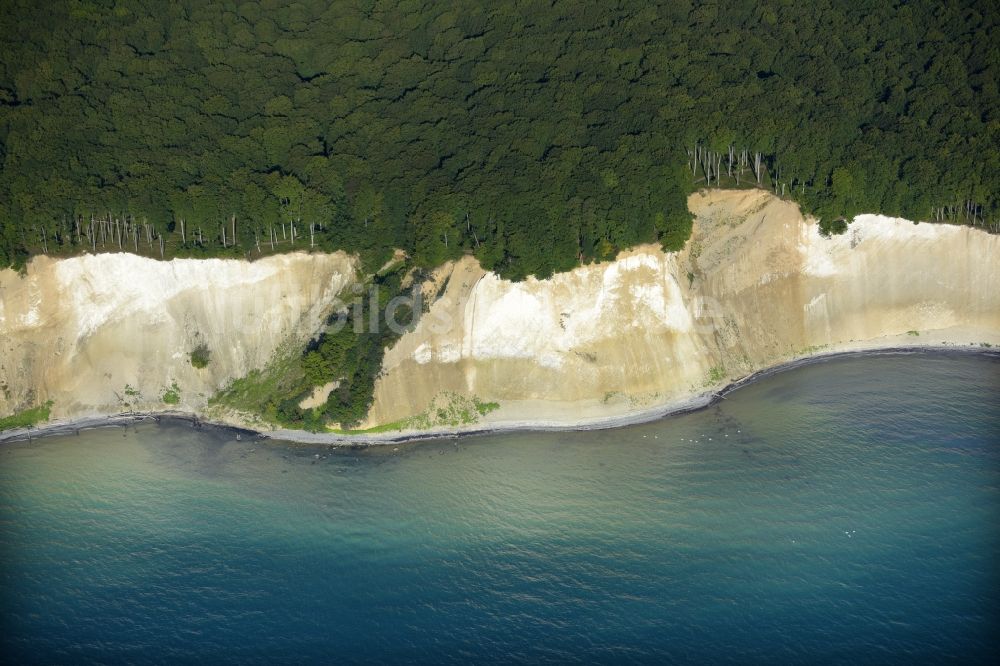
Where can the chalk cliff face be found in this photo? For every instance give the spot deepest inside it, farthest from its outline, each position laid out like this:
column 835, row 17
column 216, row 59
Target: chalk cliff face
column 756, row 286
column 95, row 333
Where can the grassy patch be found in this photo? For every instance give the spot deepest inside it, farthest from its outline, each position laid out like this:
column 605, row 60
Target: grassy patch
column 172, row 395
column 392, row 426
column 716, row 374
column 915, row 333
column 27, row 418
column 267, row 393
column 446, row 410
column 485, row 408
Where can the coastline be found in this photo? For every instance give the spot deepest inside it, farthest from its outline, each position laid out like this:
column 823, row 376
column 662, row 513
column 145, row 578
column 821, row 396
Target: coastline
column 603, row 345
column 74, row 426
column 670, row 408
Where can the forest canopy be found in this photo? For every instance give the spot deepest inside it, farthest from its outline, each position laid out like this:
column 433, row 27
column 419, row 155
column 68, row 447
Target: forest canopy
column 534, row 135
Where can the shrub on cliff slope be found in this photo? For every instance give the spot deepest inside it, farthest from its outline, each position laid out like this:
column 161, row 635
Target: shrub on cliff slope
column 828, row 227
column 200, row 356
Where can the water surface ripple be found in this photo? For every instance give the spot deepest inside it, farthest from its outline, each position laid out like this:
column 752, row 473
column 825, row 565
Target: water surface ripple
column 841, row 512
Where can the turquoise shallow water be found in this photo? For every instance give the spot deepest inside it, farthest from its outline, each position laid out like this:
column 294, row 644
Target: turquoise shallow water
column 846, row 511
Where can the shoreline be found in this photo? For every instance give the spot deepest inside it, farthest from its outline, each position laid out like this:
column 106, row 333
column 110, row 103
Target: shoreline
column 66, row 427
column 673, row 408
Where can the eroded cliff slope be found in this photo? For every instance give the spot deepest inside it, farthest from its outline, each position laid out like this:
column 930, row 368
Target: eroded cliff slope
column 756, row 286
column 102, row 333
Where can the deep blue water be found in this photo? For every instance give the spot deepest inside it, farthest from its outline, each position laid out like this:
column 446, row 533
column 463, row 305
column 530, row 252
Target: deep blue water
column 846, row 511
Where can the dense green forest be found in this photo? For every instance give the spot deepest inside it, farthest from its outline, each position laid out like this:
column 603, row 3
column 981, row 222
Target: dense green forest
column 535, row 135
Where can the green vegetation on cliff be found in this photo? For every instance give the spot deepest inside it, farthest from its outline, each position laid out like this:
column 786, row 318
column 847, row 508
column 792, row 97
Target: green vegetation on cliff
column 27, row 418
column 200, row 356
column 535, row 135
column 348, row 352
column 172, row 395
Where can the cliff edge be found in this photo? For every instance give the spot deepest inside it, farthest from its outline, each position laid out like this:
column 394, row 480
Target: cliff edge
column 756, row 286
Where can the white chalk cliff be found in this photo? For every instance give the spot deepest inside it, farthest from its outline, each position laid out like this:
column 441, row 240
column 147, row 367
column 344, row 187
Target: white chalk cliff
column 755, row 286
column 97, row 332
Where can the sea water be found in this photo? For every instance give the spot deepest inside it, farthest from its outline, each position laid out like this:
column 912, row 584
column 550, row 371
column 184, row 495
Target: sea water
column 845, row 511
